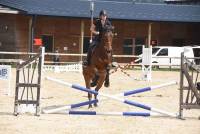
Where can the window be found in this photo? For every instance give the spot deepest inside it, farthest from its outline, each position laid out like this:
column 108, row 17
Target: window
column 196, row 52
column 155, row 50
column 163, row 52
column 128, row 46
column 139, row 42
column 86, row 44
column 47, row 41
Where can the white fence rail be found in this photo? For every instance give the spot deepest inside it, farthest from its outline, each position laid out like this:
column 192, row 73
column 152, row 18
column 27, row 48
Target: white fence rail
column 15, row 60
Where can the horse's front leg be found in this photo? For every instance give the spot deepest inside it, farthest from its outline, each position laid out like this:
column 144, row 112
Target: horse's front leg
column 88, row 77
column 102, row 76
column 89, row 94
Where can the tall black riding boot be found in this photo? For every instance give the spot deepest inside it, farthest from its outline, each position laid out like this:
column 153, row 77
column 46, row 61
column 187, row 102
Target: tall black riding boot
column 89, row 56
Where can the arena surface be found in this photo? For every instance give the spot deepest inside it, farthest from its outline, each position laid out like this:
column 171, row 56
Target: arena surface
column 54, row 94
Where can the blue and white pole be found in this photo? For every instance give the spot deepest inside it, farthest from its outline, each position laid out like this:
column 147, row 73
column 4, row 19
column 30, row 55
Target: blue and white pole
column 67, row 107
column 109, row 113
column 140, row 105
column 141, row 90
column 113, row 97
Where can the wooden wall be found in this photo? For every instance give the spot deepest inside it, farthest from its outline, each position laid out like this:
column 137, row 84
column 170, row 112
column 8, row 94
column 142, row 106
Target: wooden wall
column 66, row 32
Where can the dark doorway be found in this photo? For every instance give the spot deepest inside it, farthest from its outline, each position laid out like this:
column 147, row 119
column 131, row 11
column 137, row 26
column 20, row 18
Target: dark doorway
column 47, row 41
column 86, row 44
column 128, row 46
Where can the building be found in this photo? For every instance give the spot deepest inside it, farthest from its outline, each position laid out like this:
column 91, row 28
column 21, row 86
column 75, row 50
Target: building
column 65, row 24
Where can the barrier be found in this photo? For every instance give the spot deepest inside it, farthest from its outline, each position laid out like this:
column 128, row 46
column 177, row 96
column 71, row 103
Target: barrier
column 110, row 113
column 141, row 90
column 28, row 84
column 122, row 100
column 145, row 89
column 189, row 94
column 64, row 68
column 67, row 107
column 146, row 63
column 5, row 77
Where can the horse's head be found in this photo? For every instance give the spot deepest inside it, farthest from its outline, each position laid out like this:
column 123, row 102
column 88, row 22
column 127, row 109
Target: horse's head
column 107, row 37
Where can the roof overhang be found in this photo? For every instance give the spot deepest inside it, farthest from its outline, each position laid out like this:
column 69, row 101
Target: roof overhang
column 8, row 10
column 116, row 10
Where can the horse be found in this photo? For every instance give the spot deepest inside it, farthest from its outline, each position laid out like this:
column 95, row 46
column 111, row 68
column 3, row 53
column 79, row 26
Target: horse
column 101, row 60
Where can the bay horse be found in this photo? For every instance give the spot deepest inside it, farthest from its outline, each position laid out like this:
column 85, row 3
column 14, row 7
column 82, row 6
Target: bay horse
column 100, row 61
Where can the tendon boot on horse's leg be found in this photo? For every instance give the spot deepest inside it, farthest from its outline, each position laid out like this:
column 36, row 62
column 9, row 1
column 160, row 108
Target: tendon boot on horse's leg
column 107, row 80
column 89, row 98
column 87, row 78
column 95, row 97
column 99, row 84
column 94, row 80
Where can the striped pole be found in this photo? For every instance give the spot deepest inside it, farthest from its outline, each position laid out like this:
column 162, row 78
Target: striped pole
column 67, row 107
column 113, row 97
column 109, row 113
column 141, row 90
column 142, row 114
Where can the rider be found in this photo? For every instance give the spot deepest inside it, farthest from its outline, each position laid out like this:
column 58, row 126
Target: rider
column 97, row 29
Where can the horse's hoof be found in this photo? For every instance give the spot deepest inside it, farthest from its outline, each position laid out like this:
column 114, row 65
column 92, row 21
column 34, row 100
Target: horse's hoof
column 90, row 106
column 95, row 104
column 106, row 84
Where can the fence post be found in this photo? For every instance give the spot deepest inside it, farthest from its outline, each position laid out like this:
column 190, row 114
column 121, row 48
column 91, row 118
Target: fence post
column 170, row 62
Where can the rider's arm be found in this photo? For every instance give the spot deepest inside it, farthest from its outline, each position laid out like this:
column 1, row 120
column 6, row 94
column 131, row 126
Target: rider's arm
column 92, row 29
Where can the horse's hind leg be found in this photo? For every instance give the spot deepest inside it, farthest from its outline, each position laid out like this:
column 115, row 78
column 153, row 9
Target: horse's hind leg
column 107, row 80
column 102, row 76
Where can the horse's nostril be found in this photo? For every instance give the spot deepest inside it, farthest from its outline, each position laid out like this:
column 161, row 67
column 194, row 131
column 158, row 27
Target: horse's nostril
column 108, row 51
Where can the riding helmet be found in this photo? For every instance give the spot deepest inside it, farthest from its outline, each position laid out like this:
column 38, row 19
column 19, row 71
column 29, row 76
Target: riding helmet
column 103, row 12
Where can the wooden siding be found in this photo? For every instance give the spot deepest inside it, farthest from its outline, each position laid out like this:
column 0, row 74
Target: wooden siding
column 66, row 32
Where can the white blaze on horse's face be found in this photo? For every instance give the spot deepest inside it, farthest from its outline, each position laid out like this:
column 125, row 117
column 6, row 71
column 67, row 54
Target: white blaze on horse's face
column 108, row 41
